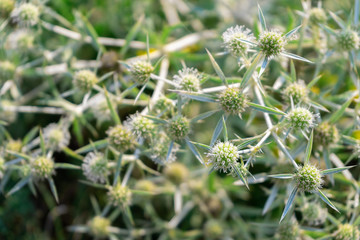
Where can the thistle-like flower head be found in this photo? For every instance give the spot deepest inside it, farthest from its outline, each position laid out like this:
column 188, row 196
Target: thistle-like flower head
column 141, row 126
column 272, row 43
column 347, row 232
column 177, row 173
column 119, row 195
column 84, row 80
column 6, row 6
column 121, row 138
column 313, row 213
column 298, row 91
column 99, row 226
column 326, row 134
column 20, row 40
column 56, row 136
column 95, row 167
column 141, row 71
column 159, row 149
column 26, row 14
column 288, row 231
column 233, row 101
column 231, row 40
column 178, row 128
column 317, row 16
column 300, row 118
column 42, row 167
column 188, row 79
column 308, row 178
column 223, row 156
column 348, row 40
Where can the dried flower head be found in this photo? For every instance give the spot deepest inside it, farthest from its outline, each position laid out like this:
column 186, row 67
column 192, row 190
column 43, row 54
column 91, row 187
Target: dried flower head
column 317, row 16
column 233, row 101
column 121, row 138
column 188, row 79
column 223, row 156
column 99, row 226
column 141, row 71
column 326, row 134
column 176, row 172
column 300, row 118
column 26, row 14
column 272, row 43
column 56, row 136
column 178, row 128
column 119, row 195
column 231, row 40
column 84, row 80
column 308, row 178
column 95, row 167
column 348, row 40
column 298, row 91
column 43, row 167
column 347, row 232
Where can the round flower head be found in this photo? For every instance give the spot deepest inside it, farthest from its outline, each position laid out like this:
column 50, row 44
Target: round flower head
column 326, row 134
column 300, row 118
column 176, row 172
column 121, row 138
column 6, row 115
column 7, row 71
column 288, row 231
column 188, row 79
column 95, row 167
column 317, row 16
column 348, row 40
column 178, row 128
column 163, row 107
column 223, row 156
column 2, row 167
column 308, row 178
column 314, row 214
column 159, row 150
column 298, row 92
column 84, row 80
column 99, row 226
column 26, row 14
column 20, row 40
column 141, row 71
column 231, row 40
column 56, row 136
column 145, row 185
column 43, row 167
column 6, row 6
column 271, row 43
column 119, row 195
column 141, row 126
column 213, row 229
column 232, row 101
column 347, row 232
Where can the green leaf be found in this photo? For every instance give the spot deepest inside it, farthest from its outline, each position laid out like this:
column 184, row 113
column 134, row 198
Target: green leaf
column 293, row 72
column 262, row 18
column 326, row 200
column 194, row 150
column 338, row 20
column 207, row 147
column 270, row 199
column 218, row 70
column 30, row 135
column 249, row 72
column 240, row 175
column 335, row 170
column 42, row 143
column 282, row 176
column 131, row 35
column 73, row 154
column 204, row 115
column 53, row 189
column 226, row 138
column 113, row 113
column 19, row 185
column 94, row 145
column 67, row 166
column 337, row 115
column 169, row 151
column 266, row 109
column 292, row 32
column 289, row 203
column 294, row 56
column 197, row 96
column 156, row 119
column 309, row 148
column 313, row 82
column 217, row 131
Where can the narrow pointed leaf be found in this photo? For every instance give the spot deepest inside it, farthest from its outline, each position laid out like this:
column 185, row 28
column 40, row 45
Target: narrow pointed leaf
column 67, row 166
column 293, row 72
column 155, row 119
column 169, row 150
column 218, row 70
column 338, row 20
column 197, row 96
column 42, row 143
column 18, row 186
column 206, row 147
column 326, row 200
column 53, row 189
column 337, row 115
column 195, row 151
column 262, row 18
column 247, row 42
column 224, row 129
column 217, row 131
column 249, row 72
column 335, row 170
column 296, row 57
column 282, row 176
column 291, row 32
column 270, row 199
column 266, row 109
column 113, row 113
column 309, row 147
column 289, row 203
column 240, row 175
column 204, row 115
column 263, row 66
column 131, row 35
column 313, row 82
